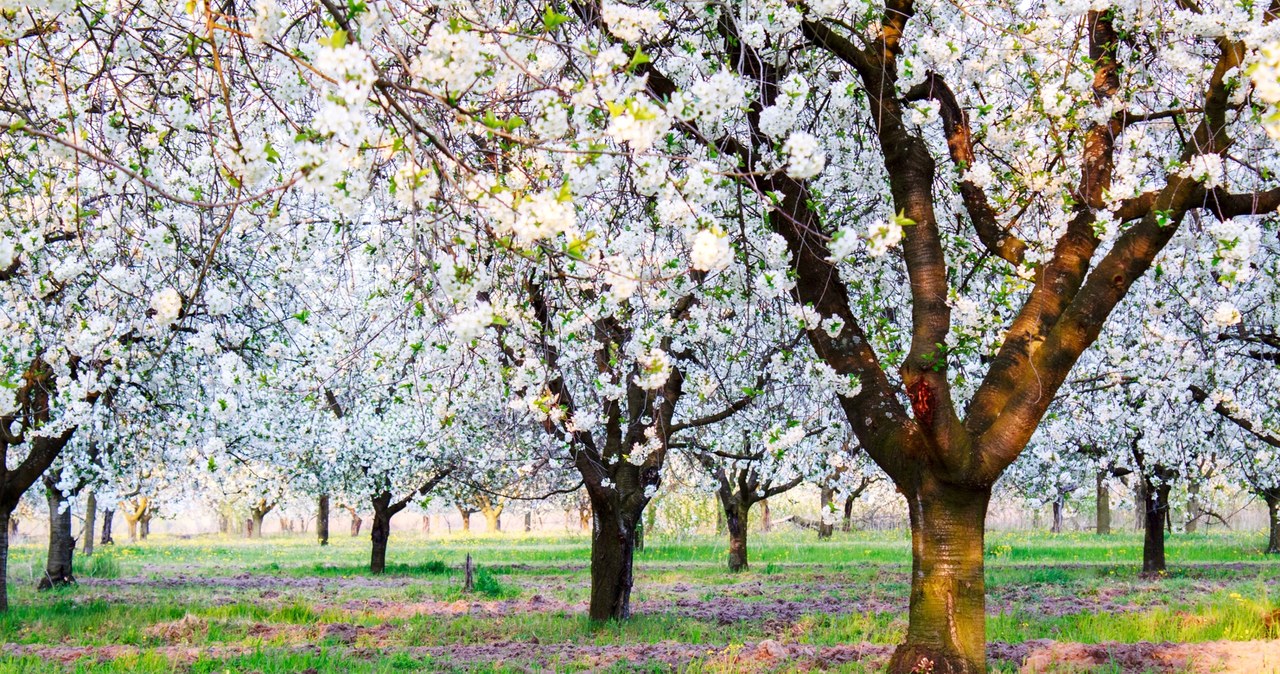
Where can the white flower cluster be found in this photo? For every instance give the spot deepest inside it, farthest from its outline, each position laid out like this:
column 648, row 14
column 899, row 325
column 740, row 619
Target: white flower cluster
column 1238, row 240
column 777, row 438
column 655, row 369
column 639, row 123
column 710, row 101
column 469, row 325
column 542, row 216
column 167, row 305
column 630, row 24
column 709, row 250
column 883, row 235
column 352, row 73
column 844, row 243
column 1206, row 169
column 1225, row 315
column 266, row 20
column 453, row 59
column 414, row 185
column 804, row 159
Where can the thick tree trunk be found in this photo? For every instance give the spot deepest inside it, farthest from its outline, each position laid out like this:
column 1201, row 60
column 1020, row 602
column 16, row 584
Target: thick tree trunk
column 825, row 526
column 255, row 529
column 466, row 520
column 493, row 521
column 528, row 521
column 108, row 516
column 847, row 524
column 133, row 530
column 613, row 541
column 1157, row 509
column 766, row 518
column 1058, row 504
column 322, row 520
column 356, row 523
column 144, row 526
column 90, row 522
column 380, row 532
column 57, row 570
column 737, row 517
column 946, row 633
column 1273, row 518
column 1104, row 505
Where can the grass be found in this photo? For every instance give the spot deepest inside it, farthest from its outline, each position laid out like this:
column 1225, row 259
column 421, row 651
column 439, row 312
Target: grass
column 287, row 605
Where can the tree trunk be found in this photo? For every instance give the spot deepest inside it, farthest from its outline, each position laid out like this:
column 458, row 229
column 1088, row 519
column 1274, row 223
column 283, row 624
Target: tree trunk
column 737, row 517
column 719, row 518
column 6, row 522
column 90, row 522
column 144, row 525
column 322, row 520
column 613, row 540
column 13, row 527
column 1194, row 512
column 1157, row 509
column 1104, row 505
column 766, row 519
column 57, row 570
column 1058, row 504
column 108, row 516
column 493, row 520
column 466, row 520
column 946, row 633
column 1273, row 518
column 1139, row 503
column 380, row 532
column 255, row 529
column 825, row 526
column 133, row 529
column 356, row 522
column 640, row 535
column 847, row 524
column 528, row 521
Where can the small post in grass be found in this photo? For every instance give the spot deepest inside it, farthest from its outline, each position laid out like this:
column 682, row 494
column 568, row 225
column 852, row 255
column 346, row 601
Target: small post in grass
column 468, row 581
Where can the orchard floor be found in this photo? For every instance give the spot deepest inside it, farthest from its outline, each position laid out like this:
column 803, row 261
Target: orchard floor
column 1064, row 603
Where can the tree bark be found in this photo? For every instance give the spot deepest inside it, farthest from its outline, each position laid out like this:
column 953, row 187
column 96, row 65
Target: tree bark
column 322, row 520
column 466, row 520
column 58, row 570
column 825, row 526
column 493, row 520
column 1273, row 519
column 255, row 526
column 380, row 532
column 1058, row 503
column 946, row 633
column 90, row 522
column 144, row 525
column 1104, row 505
column 1157, row 509
column 1140, row 503
column 766, row 519
column 613, row 540
column 108, row 516
column 737, row 512
column 1194, row 512
column 847, row 525
column 5, row 524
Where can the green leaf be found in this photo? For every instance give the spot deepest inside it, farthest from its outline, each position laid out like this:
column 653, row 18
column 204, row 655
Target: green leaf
column 551, row 19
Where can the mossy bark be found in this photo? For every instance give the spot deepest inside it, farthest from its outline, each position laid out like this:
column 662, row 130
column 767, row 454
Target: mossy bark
column 946, row 632
column 322, row 520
